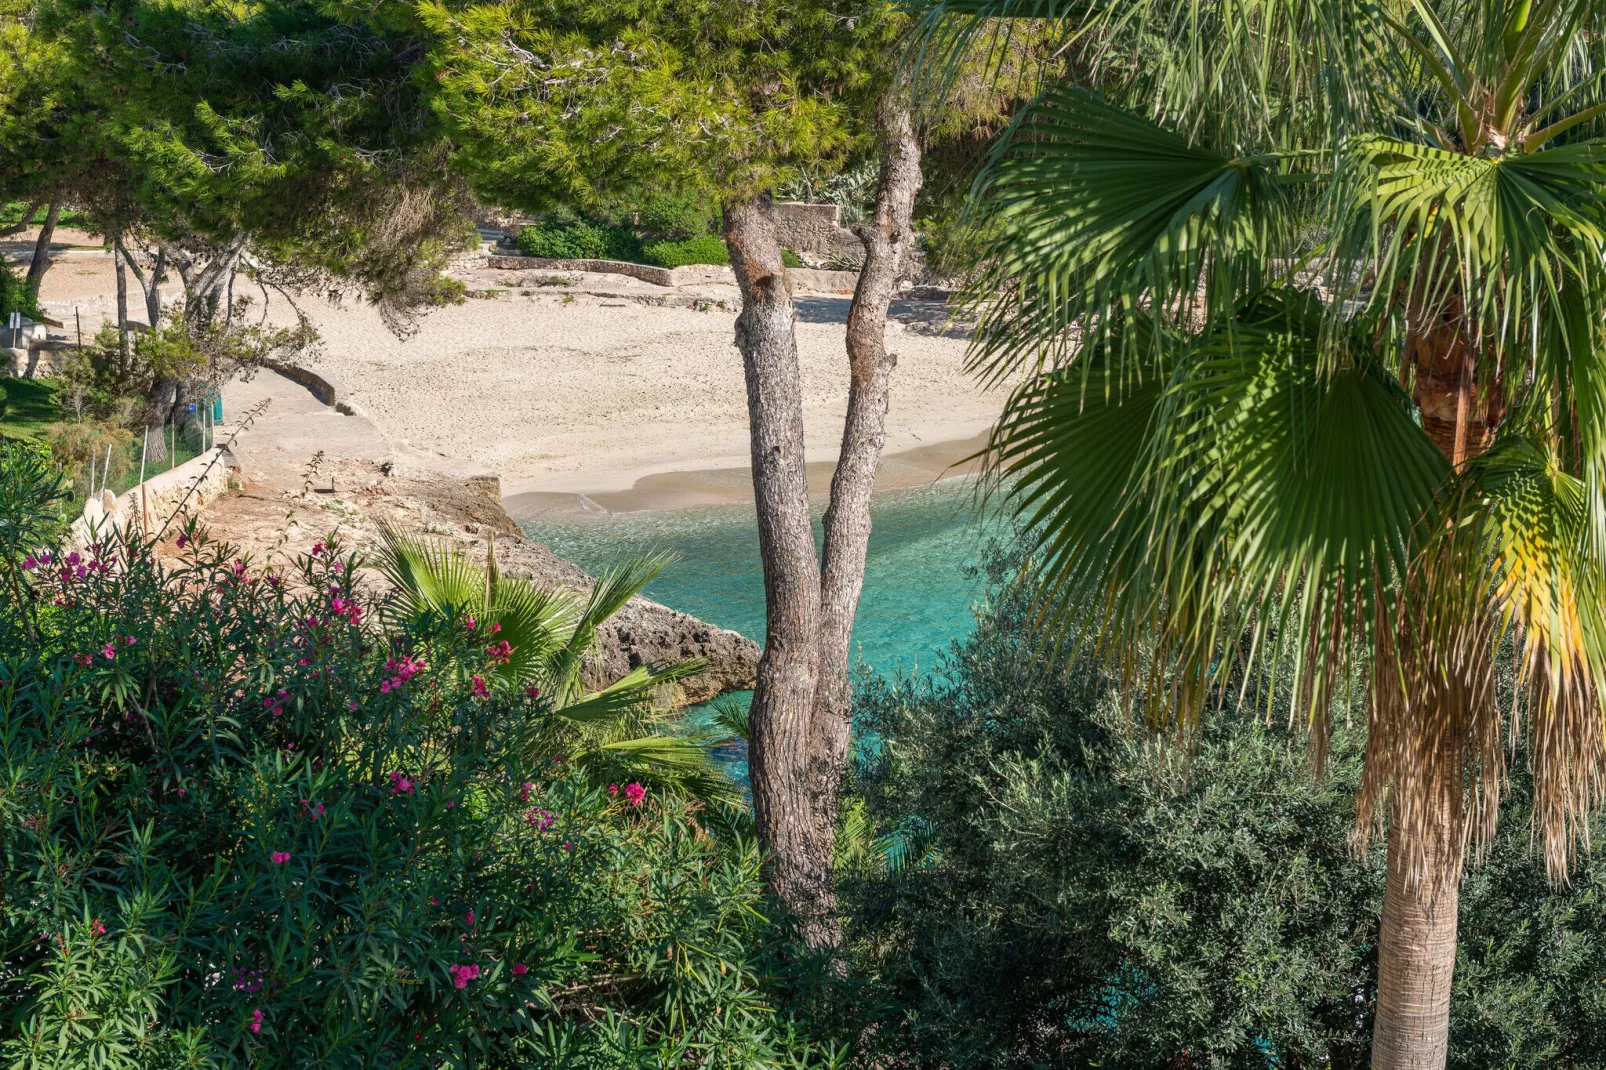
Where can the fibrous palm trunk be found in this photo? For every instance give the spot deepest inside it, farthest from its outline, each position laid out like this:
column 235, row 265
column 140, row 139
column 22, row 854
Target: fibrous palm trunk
column 1427, row 732
column 1416, row 949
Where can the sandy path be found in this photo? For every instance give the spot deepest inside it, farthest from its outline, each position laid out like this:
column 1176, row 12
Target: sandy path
column 572, row 393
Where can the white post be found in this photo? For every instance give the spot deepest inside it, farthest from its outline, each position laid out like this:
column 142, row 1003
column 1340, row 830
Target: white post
column 144, row 510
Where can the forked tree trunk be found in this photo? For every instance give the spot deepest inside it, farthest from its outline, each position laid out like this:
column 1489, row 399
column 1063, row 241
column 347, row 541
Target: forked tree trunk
column 887, row 239
column 801, row 700
column 41, row 248
column 788, row 776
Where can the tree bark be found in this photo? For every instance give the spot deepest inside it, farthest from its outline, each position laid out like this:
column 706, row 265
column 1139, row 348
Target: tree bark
column 122, row 300
column 22, row 224
column 787, row 775
column 1416, row 949
column 149, row 288
column 41, row 248
column 887, row 239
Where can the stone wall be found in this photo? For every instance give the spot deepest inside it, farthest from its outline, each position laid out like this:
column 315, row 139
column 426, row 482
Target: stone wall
column 180, row 492
column 691, row 275
column 817, row 229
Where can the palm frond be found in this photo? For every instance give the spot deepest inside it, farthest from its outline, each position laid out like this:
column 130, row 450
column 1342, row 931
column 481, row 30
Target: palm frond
column 609, row 593
column 1257, row 503
column 1088, row 212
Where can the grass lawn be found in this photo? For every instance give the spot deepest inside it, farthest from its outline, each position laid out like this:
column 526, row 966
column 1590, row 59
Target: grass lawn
column 30, row 405
column 11, row 214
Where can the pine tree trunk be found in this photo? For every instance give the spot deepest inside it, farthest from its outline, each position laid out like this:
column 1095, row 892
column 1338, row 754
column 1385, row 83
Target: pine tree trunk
column 1416, row 949
column 41, row 249
column 887, row 238
column 788, row 777
column 122, row 305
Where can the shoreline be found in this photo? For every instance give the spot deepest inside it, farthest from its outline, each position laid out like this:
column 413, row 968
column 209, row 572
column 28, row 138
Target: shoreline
column 733, row 485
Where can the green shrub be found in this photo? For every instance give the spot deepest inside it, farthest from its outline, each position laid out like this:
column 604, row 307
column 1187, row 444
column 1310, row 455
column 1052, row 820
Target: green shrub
column 246, row 825
column 707, row 249
column 75, row 444
column 16, row 296
column 577, row 240
column 791, row 259
column 678, row 216
column 1096, row 896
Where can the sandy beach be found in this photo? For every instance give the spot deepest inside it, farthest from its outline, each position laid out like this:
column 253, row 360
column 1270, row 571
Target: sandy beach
column 592, row 396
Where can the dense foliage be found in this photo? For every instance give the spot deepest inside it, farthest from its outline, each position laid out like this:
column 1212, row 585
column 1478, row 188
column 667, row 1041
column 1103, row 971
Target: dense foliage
column 1094, row 895
column 244, row 825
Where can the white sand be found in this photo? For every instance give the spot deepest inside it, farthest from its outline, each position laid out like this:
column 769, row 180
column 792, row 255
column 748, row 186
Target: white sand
column 593, row 394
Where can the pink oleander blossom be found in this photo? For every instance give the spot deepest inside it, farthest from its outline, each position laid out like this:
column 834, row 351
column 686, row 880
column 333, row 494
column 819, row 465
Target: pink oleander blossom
column 256, row 1021
column 279, row 858
column 524, row 792
column 399, row 784
column 479, row 689
column 520, row 969
column 462, row 975
column 635, row 793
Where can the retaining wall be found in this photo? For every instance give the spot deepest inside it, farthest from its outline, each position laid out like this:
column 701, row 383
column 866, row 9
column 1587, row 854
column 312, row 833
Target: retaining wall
column 801, row 278
column 180, row 492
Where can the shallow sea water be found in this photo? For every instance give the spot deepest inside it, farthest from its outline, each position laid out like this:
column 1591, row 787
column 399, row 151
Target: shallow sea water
column 920, row 581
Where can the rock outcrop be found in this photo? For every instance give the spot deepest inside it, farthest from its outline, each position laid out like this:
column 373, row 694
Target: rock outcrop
column 310, row 464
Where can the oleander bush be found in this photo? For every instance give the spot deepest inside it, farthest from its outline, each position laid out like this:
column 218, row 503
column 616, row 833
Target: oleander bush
column 245, row 823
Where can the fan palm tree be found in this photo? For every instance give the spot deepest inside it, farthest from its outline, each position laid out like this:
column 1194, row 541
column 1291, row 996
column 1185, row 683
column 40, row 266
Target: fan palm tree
column 1306, row 300
column 618, row 733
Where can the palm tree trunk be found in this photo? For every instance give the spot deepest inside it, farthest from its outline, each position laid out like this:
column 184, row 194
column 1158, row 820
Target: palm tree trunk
column 1416, row 950
column 887, row 239
column 788, row 778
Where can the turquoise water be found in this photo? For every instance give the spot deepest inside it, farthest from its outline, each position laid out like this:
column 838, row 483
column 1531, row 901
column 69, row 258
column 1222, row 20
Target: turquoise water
column 918, row 589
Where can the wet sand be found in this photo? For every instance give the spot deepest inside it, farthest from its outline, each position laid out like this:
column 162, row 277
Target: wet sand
column 734, row 486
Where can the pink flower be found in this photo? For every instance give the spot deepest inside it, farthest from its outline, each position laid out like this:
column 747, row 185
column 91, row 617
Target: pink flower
column 468, row 623
column 520, row 969
column 532, row 692
column 351, row 704
column 128, row 639
column 97, row 928
column 30, row 563
column 495, row 628
column 279, row 858
column 450, row 803
column 256, row 1021
column 317, row 548
column 110, row 651
column 479, row 689
column 524, row 792
column 500, row 651
column 462, row 975
column 468, row 919
column 567, row 846
column 541, row 819
column 400, row 785
column 613, row 789
column 182, row 541
column 384, row 687
column 635, row 793
column 73, row 558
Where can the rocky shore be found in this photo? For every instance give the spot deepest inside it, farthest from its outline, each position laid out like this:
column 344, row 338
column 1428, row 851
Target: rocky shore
column 308, row 470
